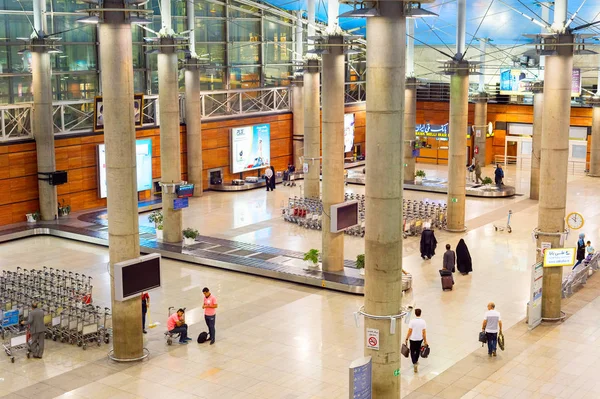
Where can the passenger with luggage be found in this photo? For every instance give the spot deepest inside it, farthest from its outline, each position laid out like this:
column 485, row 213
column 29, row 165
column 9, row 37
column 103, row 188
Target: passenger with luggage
column 448, row 267
column 176, row 325
column 464, row 263
column 417, row 334
column 37, row 329
column 428, row 243
column 478, row 171
column 492, row 326
column 145, row 306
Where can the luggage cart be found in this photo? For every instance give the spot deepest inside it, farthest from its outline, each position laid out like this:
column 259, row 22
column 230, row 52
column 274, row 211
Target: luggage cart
column 14, row 338
column 507, row 227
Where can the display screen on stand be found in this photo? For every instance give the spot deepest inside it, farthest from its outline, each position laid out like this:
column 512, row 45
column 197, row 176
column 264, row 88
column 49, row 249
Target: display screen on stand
column 143, row 155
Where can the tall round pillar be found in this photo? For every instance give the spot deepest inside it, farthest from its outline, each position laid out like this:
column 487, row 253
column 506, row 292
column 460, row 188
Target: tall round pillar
column 536, row 140
column 193, row 125
column 121, row 176
column 385, row 146
column 481, row 105
column 554, row 164
column 410, row 121
column 42, row 126
column 298, row 122
column 333, row 150
column 595, row 148
column 312, row 129
column 170, row 146
column 457, row 153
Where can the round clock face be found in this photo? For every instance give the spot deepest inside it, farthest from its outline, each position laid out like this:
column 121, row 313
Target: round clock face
column 575, row 220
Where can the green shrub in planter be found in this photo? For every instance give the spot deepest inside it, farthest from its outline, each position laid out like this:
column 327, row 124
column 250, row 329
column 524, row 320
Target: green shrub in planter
column 190, row 233
column 360, row 261
column 312, row 256
column 420, row 173
column 487, row 180
column 157, row 218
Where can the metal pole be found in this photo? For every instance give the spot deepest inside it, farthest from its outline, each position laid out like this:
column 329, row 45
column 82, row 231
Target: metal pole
column 461, row 26
column 190, row 25
column 333, row 10
column 482, row 49
column 560, row 16
column 165, row 14
column 311, row 22
column 410, row 48
column 299, row 44
column 39, row 16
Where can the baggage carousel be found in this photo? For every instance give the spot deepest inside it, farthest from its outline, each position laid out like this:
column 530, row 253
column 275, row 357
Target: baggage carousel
column 437, row 185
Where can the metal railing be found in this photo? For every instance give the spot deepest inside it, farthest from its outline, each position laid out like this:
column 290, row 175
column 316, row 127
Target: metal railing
column 15, row 122
column 231, row 103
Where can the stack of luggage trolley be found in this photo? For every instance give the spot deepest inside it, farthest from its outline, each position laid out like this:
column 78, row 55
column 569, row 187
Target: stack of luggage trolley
column 66, row 299
column 308, row 213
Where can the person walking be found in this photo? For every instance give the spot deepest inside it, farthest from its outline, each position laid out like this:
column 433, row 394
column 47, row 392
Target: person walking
column 464, row 263
column 273, row 178
column 428, row 243
column 37, row 330
column 492, row 326
column 210, row 313
column 499, row 176
column 268, row 176
column 580, row 249
column 417, row 334
column 478, row 171
column 145, row 306
column 449, row 261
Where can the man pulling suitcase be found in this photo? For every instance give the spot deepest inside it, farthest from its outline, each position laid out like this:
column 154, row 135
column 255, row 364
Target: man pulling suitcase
column 448, row 268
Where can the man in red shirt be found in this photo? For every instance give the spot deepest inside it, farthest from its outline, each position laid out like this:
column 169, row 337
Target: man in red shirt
column 210, row 306
column 176, row 325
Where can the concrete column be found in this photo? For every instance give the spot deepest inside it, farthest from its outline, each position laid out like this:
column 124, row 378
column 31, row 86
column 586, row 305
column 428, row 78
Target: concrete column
column 298, row 99
column 193, row 123
column 310, row 27
column 170, row 146
column 410, row 121
column 457, row 153
column 312, row 129
column 119, row 136
column 193, row 110
column 536, row 140
column 383, row 240
column 42, row 126
column 554, row 163
column 480, row 126
column 595, row 150
column 333, row 150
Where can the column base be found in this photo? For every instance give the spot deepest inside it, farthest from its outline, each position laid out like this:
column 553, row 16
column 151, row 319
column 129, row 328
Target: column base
column 592, row 175
column 111, row 356
column 457, row 230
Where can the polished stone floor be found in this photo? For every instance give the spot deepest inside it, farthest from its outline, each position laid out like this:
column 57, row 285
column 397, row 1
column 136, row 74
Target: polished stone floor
column 282, row 340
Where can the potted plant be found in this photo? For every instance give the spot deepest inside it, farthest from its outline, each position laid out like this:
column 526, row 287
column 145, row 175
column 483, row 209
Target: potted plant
column 189, row 236
column 487, row 181
column 63, row 209
column 33, row 217
column 360, row 263
column 157, row 218
column 312, row 258
column 419, row 176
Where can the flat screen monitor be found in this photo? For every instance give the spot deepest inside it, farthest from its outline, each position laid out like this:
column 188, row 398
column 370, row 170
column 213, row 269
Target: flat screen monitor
column 59, row 177
column 344, row 216
column 348, row 132
column 184, row 190
column 250, row 147
column 143, row 155
column 134, row 276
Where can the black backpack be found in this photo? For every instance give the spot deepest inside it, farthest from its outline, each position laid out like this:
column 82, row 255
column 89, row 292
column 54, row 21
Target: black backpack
column 202, row 337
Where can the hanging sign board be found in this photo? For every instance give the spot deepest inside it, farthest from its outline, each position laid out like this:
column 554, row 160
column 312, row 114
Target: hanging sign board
column 535, row 297
column 555, row 257
column 361, row 381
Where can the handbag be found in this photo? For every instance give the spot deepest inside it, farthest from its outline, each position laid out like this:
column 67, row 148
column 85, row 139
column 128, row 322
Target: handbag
column 425, row 350
column 482, row 337
column 405, row 351
column 501, row 341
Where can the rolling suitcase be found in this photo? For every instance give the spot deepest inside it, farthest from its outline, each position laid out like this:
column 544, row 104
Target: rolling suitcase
column 447, row 281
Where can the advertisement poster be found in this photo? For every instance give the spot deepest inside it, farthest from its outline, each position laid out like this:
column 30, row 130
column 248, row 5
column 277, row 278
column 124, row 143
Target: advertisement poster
column 250, row 147
column 143, row 155
column 519, row 82
column 556, row 257
column 348, row 132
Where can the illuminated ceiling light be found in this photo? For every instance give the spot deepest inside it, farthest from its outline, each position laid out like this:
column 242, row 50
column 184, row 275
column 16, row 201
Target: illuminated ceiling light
column 360, row 13
column 90, row 19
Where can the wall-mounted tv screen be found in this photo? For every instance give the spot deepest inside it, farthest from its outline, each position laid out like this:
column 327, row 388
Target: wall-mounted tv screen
column 344, row 216
column 143, row 154
column 134, row 276
column 250, row 147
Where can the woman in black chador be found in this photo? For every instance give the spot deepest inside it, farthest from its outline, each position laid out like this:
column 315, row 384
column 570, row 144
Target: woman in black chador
column 463, row 258
column 428, row 244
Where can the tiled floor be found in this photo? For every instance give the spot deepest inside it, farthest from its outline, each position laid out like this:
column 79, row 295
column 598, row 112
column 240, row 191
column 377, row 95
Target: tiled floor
column 281, row 340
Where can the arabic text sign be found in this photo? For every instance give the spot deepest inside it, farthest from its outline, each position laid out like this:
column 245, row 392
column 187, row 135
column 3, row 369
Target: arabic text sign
column 429, row 130
column 559, row 257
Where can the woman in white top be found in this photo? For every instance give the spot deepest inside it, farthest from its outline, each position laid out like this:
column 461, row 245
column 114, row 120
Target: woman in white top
column 417, row 334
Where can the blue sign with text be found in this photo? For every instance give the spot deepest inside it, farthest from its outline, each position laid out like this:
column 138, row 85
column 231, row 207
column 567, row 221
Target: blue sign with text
column 10, row 318
column 180, row 203
column 361, row 378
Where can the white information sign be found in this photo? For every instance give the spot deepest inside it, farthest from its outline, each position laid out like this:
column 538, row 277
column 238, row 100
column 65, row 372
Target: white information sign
column 305, row 167
column 373, row 339
column 554, row 257
column 535, row 297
